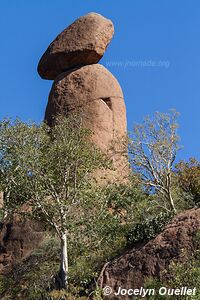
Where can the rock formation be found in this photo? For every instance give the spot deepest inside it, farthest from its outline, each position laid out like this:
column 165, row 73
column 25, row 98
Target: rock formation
column 17, row 239
column 79, row 82
column 152, row 258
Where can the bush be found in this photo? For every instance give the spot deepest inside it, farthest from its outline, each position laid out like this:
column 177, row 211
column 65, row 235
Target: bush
column 149, row 229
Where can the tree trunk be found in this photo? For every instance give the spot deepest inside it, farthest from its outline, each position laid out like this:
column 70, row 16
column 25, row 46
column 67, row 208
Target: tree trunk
column 171, row 202
column 63, row 272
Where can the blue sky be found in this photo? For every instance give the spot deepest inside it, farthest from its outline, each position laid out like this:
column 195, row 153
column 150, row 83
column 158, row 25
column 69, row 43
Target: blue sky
column 163, row 33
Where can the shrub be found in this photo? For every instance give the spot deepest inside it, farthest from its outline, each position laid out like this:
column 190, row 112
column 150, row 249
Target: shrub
column 149, row 229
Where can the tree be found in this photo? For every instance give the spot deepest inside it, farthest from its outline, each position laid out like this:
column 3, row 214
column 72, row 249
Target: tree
column 153, row 147
column 12, row 181
column 188, row 175
column 51, row 170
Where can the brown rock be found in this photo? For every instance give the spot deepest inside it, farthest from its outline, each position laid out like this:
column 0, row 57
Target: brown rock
column 97, row 92
column 95, row 89
column 17, row 239
column 83, row 42
column 151, row 259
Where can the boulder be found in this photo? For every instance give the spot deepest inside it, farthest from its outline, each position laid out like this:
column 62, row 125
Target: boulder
column 83, row 42
column 150, row 259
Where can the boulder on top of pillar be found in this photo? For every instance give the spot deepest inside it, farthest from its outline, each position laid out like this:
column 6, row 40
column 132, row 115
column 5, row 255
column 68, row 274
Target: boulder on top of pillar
column 82, row 43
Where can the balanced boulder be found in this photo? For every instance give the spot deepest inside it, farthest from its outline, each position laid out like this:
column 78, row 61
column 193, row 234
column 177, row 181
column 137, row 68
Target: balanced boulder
column 83, row 85
column 82, row 43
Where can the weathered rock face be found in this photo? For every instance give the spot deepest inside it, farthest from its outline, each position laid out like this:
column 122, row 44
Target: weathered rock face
column 149, row 260
column 83, row 42
column 17, row 239
column 98, row 93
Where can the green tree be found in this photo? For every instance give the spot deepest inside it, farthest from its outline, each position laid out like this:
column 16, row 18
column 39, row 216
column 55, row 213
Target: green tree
column 153, row 147
column 52, row 171
column 188, row 177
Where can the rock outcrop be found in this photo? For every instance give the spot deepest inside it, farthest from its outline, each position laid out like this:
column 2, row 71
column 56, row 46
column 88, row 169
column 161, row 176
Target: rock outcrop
column 17, row 239
column 80, row 83
column 151, row 259
column 82, row 43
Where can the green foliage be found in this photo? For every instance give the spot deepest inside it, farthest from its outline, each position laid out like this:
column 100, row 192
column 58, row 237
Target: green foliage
column 187, row 176
column 149, row 229
column 155, row 284
column 5, row 283
column 180, row 274
column 121, row 207
column 39, row 166
column 1, row 214
column 183, row 275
